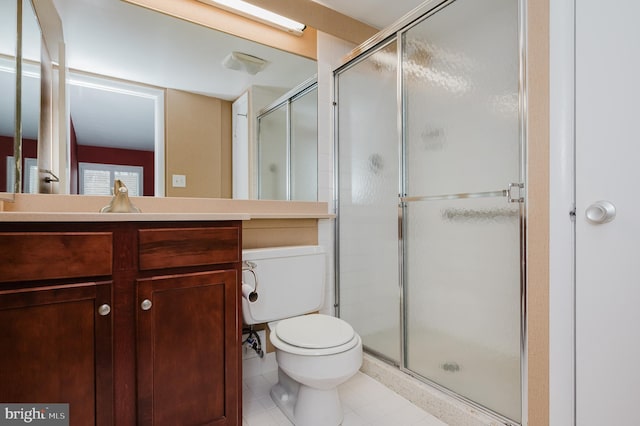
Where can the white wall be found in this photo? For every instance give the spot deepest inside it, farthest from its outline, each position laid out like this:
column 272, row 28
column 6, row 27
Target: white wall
column 561, row 275
column 240, row 147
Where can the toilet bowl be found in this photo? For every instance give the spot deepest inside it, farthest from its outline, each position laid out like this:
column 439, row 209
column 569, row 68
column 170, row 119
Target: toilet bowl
column 315, row 353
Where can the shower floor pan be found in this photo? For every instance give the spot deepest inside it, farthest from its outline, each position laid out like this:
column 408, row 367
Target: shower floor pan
column 487, row 377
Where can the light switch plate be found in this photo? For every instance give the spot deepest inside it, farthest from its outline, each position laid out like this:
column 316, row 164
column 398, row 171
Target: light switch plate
column 179, row 181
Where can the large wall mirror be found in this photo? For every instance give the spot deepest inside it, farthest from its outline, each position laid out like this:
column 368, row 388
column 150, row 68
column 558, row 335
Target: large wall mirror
column 149, row 93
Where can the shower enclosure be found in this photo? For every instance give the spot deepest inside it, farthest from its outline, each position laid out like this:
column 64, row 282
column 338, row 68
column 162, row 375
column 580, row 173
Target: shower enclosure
column 430, row 199
column 288, row 146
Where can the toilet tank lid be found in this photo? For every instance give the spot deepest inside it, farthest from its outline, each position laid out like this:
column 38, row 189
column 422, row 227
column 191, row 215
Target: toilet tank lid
column 276, row 252
column 315, row 331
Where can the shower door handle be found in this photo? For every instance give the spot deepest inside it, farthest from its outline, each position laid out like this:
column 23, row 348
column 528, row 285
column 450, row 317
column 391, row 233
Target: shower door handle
column 508, row 193
column 401, row 205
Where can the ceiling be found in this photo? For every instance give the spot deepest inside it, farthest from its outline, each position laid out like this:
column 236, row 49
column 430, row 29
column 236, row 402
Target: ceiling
column 377, row 13
column 114, row 38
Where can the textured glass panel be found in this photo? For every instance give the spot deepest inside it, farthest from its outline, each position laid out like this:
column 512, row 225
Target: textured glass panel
column 463, row 298
column 460, row 69
column 272, row 155
column 368, row 204
column 462, row 257
column 304, row 147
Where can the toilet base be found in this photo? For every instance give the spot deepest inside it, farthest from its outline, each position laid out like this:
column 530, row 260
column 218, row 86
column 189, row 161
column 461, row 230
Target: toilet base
column 305, row 406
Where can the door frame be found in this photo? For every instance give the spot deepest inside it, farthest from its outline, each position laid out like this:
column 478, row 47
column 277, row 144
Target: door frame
column 561, row 248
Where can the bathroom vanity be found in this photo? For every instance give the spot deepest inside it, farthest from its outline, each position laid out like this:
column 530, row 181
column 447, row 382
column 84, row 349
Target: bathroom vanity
column 131, row 319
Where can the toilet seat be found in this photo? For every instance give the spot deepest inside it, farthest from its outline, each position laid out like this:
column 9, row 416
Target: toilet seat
column 314, row 334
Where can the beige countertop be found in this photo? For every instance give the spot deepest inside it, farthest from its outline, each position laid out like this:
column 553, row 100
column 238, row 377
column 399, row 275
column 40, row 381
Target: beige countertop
column 117, row 217
column 75, row 208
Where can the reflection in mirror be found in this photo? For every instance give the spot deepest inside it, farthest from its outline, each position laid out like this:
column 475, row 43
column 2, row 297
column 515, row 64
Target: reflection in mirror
column 108, row 143
column 288, row 146
column 8, row 14
column 272, row 155
column 134, row 45
column 304, row 146
column 30, row 102
column 26, row 133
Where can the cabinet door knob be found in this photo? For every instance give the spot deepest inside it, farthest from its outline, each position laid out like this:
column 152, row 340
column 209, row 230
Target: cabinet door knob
column 146, row 304
column 104, row 309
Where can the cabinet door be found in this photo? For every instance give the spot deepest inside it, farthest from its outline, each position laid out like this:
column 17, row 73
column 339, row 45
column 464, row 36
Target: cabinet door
column 188, row 349
column 56, row 348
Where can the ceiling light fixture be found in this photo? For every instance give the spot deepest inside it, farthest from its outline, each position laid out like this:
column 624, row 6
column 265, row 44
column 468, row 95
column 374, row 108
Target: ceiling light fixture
column 243, row 62
column 254, row 12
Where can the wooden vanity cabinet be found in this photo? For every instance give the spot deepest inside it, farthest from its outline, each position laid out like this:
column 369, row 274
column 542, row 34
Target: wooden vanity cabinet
column 189, row 325
column 182, row 348
column 55, row 321
column 56, row 347
column 153, row 338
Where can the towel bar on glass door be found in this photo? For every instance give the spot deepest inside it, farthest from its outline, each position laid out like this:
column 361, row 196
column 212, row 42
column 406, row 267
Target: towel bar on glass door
column 488, row 194
column 496, row 215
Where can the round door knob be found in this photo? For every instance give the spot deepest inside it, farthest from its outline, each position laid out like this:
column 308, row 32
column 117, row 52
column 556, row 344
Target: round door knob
column 146, row 304
column 600, row 212
column 104, row 309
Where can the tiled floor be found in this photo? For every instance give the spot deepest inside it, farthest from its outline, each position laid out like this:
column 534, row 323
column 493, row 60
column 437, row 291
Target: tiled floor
column 365, row 402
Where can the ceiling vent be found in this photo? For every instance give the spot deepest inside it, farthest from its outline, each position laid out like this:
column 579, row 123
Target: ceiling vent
column 244, row 62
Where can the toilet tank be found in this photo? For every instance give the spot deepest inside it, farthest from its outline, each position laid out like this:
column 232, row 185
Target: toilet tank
column 291, row 282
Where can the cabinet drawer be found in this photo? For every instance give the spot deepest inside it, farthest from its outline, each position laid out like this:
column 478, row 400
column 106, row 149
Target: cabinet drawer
column 177, row 247
column 52, row 255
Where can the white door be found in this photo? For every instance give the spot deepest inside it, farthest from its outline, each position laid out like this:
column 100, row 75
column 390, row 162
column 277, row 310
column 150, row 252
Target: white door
column 607, row 254
column 240, row 147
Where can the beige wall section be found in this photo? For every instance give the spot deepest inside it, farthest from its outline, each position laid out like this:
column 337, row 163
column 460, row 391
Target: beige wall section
column 258, row 233
column 538, row 211
column 321, row 18
column 221, row 20
column 197, row 144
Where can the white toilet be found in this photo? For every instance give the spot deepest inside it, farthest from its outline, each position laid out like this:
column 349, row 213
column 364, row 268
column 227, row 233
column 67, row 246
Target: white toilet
column 315, row 353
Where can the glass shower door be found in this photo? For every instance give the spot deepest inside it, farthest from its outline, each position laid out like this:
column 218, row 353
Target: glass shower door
column 461, row 234
column 304, row 146
column 368, row 170
column 273, row 158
